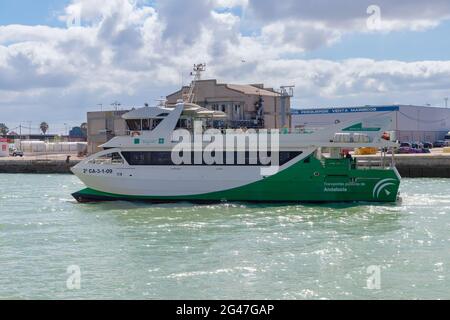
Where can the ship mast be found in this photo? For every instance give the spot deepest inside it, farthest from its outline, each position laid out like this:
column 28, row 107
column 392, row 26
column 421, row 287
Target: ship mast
column 197, row 74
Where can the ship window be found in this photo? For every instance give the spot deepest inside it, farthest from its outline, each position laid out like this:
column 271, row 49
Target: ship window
column 155, row 123
column 182, row 123
column 160, row 158
column 145, row 124
column 148, row 158
column 162, row 115
column 134, row 124
column 286, row 156
column 108, row 159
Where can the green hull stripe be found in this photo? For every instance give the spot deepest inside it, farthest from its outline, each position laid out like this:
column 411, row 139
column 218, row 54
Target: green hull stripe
column 314, row 181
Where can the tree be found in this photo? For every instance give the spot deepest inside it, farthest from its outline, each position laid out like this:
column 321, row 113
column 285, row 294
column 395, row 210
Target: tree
column 84, row 128
column 44, row 127
column 3, row 129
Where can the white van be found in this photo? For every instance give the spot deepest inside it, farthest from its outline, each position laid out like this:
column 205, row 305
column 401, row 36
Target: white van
column 447, row 139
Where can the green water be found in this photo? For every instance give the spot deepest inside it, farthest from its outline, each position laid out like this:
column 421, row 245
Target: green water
column 184, row 251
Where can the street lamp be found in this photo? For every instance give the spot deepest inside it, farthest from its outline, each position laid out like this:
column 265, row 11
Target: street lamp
column 116, row 105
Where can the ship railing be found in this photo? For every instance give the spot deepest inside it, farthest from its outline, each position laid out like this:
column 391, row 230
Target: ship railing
column 383, row 162
column 224, row 131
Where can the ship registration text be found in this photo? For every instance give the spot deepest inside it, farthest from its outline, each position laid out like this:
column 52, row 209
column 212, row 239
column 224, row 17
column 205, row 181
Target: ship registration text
column 98, row 171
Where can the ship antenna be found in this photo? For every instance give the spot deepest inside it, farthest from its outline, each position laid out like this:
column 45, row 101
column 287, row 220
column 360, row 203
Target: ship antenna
column 197, row 74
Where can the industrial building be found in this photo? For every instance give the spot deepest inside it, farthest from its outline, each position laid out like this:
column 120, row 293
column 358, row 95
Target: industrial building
column 413, row 123
column 250, row 106
column 103, row 126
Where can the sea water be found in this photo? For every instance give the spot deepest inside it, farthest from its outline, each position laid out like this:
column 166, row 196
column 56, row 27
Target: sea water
column 54, row 248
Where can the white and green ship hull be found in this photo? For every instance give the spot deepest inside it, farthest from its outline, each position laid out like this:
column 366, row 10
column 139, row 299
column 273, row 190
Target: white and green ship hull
column 305, row 179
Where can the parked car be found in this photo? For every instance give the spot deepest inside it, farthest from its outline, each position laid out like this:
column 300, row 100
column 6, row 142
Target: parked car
column 405, row 145
column 427, row 145
column 16, row 153
column 417, row 145
column 408, row 150
column 447, row 139
column 439, row 144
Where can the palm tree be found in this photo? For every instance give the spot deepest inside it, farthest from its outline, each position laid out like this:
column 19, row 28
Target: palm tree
column 44, row 127
column 3, row 129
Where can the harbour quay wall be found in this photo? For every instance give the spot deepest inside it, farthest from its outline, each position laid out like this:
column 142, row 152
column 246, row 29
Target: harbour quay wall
column 36, row 166
column 415, row 166
column 409, row 166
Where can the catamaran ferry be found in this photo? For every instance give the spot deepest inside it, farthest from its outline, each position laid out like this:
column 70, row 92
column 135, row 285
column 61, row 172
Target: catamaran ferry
column 144, row 164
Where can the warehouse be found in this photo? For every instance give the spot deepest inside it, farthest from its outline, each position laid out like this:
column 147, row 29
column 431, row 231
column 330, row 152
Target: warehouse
column 413, row 123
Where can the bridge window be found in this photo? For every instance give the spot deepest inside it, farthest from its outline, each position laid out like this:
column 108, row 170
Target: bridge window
column 145, row 124
column 108, row 159
column 134, row 124
column 155, row 123
column 162, row 115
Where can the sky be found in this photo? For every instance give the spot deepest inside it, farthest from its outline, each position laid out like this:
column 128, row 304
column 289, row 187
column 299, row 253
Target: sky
column 62, row 58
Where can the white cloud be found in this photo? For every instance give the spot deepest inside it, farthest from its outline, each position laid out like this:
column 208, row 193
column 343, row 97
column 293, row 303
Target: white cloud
column 350, row 14
column 131, row 52
column 231, row 3
column 331, row 19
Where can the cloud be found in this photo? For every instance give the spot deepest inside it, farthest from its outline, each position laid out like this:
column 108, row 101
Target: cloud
column 349, row 14
column 231, row 3
column 184, row 20
column 360, row 81
column 132, row 52
column 30, row 65
column 331, row 19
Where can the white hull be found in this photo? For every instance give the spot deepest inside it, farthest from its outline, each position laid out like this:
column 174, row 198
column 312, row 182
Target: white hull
column 170, row 180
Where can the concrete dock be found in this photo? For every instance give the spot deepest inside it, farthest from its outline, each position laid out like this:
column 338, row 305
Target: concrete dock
column 415, row 165
column 434, row 165
column 39, row 165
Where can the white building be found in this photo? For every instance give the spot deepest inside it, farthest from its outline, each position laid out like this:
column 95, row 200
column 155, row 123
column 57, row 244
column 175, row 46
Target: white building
column 413, row 123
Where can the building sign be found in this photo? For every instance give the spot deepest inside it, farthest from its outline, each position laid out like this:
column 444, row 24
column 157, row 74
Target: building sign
column 345, row 110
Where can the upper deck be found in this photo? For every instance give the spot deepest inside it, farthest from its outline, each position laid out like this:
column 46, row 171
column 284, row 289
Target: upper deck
column 154, row 127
